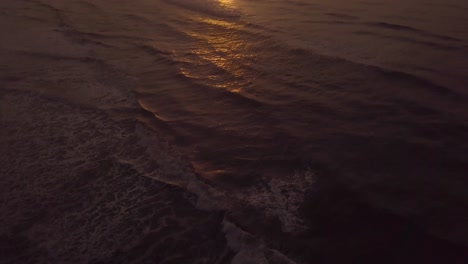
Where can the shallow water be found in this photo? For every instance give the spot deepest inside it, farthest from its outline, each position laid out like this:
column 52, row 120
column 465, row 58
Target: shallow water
column 287, row 130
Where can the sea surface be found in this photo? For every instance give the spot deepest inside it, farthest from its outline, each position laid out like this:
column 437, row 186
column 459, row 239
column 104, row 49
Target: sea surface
column 234, row 131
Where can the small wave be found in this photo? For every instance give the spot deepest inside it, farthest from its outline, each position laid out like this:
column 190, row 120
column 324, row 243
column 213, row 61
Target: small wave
column 389, row 74
column 340, row 15
column 392, row 26
column 368, row 3
column 50, row 56
column 299, row 3
column 104, row 35
column 223, row 95
column 409, row 40
column 239, row 99
column 153, row 50
column 398, row 27
column 407, row 77
column 447, row 5
column 211, row 8
column 90, row 5
column 136, row 18
column 331, row 22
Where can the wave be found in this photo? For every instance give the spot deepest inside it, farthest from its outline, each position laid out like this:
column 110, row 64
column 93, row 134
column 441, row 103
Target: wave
column 409, row 40
column 91, row 193
column 407, row 77
column 330, row 22
column 90, row 5
column 343, row 16
column 350, row 66
column 51, row 56
column 73, row 33
column 207, row 7
column 105, row 180
column 392, row 26
column 448, row 5
column 219, row 94
column 398, row 27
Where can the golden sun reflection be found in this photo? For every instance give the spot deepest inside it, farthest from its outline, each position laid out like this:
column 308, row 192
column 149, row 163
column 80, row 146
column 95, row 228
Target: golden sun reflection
column 221, row 56
column 227, row 3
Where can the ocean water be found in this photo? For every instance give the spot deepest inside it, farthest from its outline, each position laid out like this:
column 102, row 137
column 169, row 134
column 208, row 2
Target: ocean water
column 234, row 131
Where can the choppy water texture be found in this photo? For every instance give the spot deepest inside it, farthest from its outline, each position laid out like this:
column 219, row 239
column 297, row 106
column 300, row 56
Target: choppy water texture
column 233, row 131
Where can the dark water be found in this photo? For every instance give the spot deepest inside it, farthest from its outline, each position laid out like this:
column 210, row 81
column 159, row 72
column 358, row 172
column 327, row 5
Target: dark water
column 271, row 131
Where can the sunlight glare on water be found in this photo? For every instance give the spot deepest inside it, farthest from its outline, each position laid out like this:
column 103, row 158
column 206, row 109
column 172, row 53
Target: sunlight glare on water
column 227, row 3
column 224, row 51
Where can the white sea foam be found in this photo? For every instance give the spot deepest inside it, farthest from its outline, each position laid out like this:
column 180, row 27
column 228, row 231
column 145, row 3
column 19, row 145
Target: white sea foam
column 282, row 198
column 250, row 250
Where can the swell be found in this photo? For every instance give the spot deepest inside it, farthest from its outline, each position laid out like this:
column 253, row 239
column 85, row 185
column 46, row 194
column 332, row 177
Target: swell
column 90, row 7
column 342, row 16
column 297, row 57
column 410, row 40
column 267, row 49
column 263, row 39
column 448, row 6
column 404, row 28
column 211, row 8
column 221, row 95
column 75, row 33
column 49, row 56
column 387, row 74
column 57, row 13
column 350, row 20
column 392, row 26
column 410, row 78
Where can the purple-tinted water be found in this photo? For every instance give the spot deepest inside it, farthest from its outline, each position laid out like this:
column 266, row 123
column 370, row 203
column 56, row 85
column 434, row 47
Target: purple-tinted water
column 197, row 131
